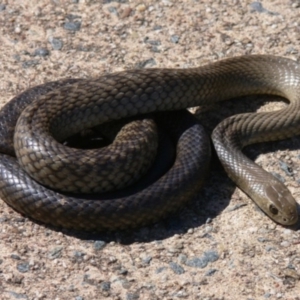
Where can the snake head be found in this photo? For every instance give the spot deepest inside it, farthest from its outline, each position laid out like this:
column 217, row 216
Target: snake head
column 280, row 205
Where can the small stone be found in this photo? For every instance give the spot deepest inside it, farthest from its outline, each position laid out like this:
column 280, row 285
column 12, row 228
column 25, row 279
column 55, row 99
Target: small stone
column 257, row 6
column 262, row 239
column 208, row 220
column 175, row 39
column 211, row 255
column 267, row 295
column 18, row 295
column 147, row 260
column 23, row 267
column 141, row 7
column 210, row 272
column 30, row 63
column 78, row 254
column 285, row 244
column 15, row 256
column 71, row 288
column 56, row 44
column 79, row 298
column 197, row 262
column 72, row 26
column 113, row 10
column 55, row 253
column 18, row 29
column 153, row 42
column 181, row 294
column 208, row 229
column 182, row 258
column 177, row 269
column 2, row 7
column 157, row 27
column 105, row 286
column 123, row 271
column 160, row 269
column 125, row 12
column 132, row 296
column 3, row 219
column 98, row 245
column 146, row 63
column 41, row 52
column 285, row 168
column 270, row 248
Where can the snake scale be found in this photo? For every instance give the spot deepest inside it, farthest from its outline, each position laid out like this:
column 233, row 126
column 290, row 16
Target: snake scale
column 50, row 182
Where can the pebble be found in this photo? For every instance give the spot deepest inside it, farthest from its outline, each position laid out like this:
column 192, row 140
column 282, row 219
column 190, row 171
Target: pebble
column 98, row 245
column 18, row 295
column 270, row 248
column 56, row 43
column 267, row 295
column 78, row 254
column 105, row 286
column 210, row 272
column 72, row 26
column 285, row 168
column 132, row 296
column 201, row 262
column 285, row 244
column 287, row 232
column 182, row 258
column 30, row 63
column 55, row 253
column 141, row 7
column 236, row 206
column 262, row 239
column 160, row 269
column 181, row 294
column 41, row 52
column 146, row 63
column 211, row 255
column 15, row 256
column 23, row 267
column 257, row 6
column 113, row 10
column 174, row 39
column 119, row 1
column 123, row 271
column 177, row 269
column 147, row 260
column 3, row 219
column 2, row 7
column 153, row 42
column 197, row 262
column 176, row 248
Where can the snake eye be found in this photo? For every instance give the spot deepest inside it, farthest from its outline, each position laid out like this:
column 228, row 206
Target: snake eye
column 273, row 209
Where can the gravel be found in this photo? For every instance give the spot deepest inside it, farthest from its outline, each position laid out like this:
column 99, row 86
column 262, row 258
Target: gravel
column 239, row 253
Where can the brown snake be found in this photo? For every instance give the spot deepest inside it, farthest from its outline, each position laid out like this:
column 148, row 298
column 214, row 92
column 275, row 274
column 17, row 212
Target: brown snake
column 34, row 123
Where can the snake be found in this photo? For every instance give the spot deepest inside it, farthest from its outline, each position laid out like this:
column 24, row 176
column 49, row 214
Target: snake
column 59, row 185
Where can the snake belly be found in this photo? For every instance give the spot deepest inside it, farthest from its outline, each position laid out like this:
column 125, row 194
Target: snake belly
column 34, row 123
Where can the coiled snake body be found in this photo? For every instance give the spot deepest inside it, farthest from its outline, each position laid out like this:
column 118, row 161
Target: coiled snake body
column 34, row 123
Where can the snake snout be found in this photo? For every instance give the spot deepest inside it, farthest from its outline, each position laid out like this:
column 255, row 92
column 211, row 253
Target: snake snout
column 282, row 206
